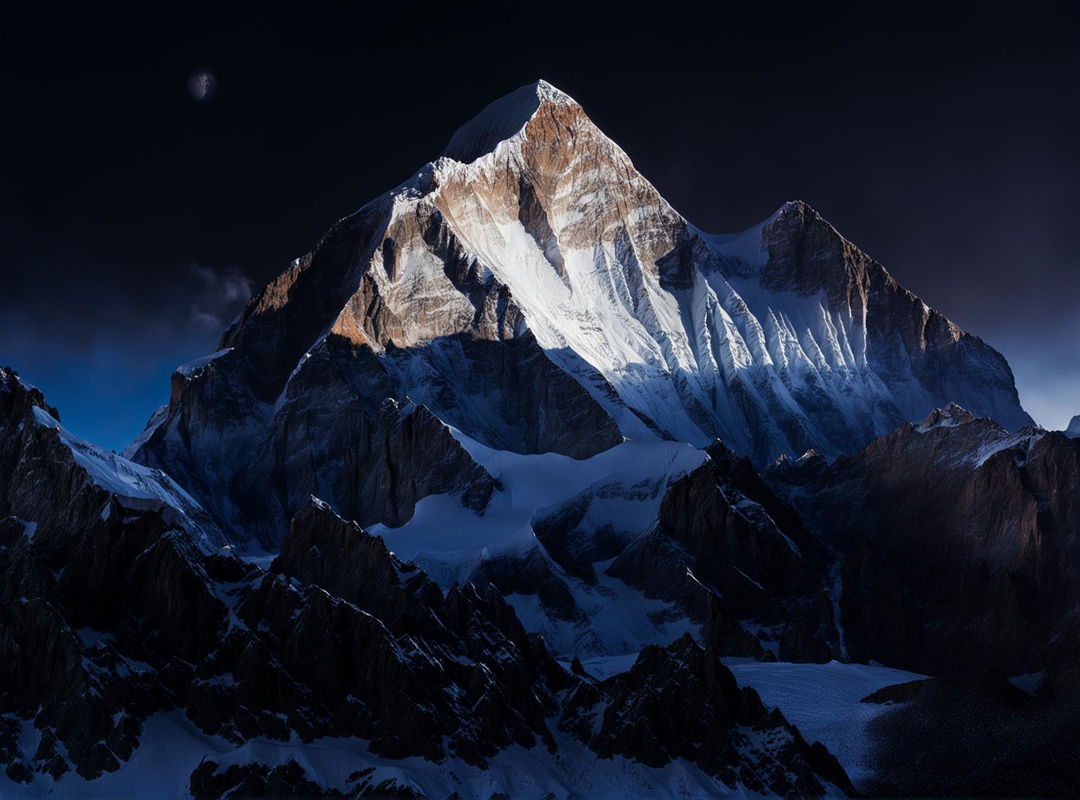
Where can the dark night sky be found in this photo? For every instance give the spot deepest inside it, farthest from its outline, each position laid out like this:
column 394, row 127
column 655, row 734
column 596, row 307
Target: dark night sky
column 134, row 221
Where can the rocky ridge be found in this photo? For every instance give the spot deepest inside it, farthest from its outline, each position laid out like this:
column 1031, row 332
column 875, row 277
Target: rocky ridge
column 300, row 652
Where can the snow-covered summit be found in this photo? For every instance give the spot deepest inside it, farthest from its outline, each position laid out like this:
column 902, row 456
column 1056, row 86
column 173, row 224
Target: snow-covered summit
column 502, row 119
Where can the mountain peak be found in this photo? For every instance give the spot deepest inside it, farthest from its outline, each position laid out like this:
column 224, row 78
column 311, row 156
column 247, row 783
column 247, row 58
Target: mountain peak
column 800, row 206
column 503, row 119
column 949, row 417
column 550, row 92
column 1073, row 431
column 802, row 213
column 25, row 393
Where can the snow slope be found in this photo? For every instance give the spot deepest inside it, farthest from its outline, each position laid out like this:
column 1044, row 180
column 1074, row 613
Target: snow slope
column 444, row 531
column 449, row 541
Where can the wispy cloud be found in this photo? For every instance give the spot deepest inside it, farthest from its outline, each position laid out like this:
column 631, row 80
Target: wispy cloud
column 218, row 297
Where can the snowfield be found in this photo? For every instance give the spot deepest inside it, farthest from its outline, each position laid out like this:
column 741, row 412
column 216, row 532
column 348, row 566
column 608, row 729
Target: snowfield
column 626, row 485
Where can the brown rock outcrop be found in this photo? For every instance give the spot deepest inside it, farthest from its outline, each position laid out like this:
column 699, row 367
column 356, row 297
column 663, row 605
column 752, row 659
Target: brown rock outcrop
column 957, row 542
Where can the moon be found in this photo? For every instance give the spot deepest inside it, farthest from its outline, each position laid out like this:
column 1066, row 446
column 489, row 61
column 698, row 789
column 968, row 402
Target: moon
column 203, row 85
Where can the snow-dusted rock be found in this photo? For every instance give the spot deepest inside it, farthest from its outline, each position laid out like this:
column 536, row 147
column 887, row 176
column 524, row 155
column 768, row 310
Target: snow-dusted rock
column 63, row 483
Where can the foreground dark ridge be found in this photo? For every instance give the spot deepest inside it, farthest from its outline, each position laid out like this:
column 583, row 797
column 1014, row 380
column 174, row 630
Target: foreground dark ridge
column 114, row 615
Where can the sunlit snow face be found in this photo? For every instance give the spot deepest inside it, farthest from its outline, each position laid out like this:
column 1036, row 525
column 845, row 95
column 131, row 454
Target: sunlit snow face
column 202, row 84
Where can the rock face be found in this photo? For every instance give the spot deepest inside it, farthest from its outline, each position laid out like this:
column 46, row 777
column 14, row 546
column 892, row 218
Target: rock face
column 720, row 553
column 959, row 542
column 254, row 465
column 531, row 289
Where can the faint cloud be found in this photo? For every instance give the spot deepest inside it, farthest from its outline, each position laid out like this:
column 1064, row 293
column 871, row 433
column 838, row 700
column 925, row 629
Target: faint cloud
column 203, row 85
column 219, row 296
